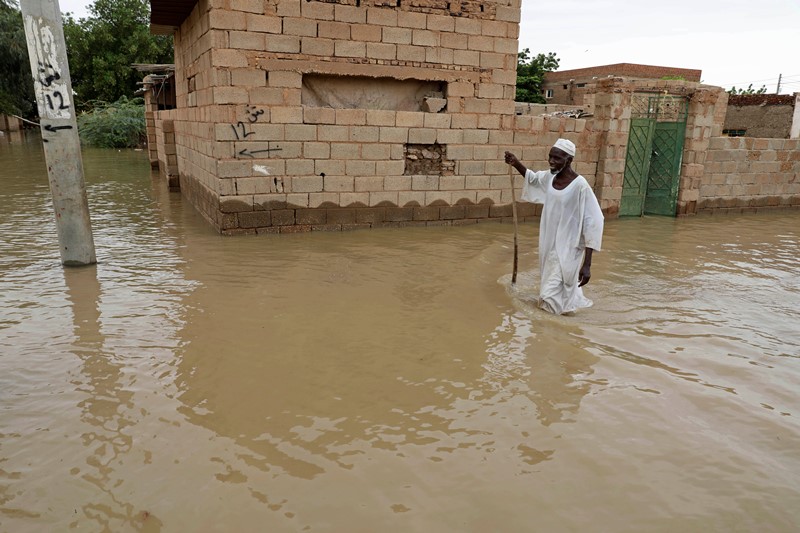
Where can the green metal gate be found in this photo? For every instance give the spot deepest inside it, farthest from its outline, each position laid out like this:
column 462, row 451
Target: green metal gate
column 653, row 160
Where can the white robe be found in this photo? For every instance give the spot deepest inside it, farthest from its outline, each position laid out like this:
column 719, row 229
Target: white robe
column 571, row 222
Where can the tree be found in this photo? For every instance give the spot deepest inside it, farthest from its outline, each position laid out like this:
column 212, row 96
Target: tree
column 102, row 48
column 16, row 83
column 749, row 90
column 530, row 75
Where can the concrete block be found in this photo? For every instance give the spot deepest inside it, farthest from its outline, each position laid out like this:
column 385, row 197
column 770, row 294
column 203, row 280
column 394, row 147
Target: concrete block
column 393, row 135
column 381, row 51
column 228, row 58
column 333, row 133
column 441, row 23
column 389, row 168
column 464, row 121
column 457, row 152
column 365, row 33
column 286, row 115
column 317, row 10
column 363, row 134
column 381, row 17
column 319, row 115
column 410, row 119
column 369, row 183
column 410, row 53
column 421, row 135
column 360, row 168
column 317, row 47
column 262, row 23
column 409, row 19
column 380, row 117
column 449, row 136
column 375, row 151
column 316, row 150
column 300, row 132
column 468, row 26
column 451, row 183
column 245, row 40
column 397, row 183
column 289, row 44
column 469, row 58
column 477, row 105
column 338, row 183
column 349, row 49
column 248, row 77
column 425, row 38
column 345, row 150
column 434, row 105
column 220, row 19
column 299, row 26
column 470, row 168
column 334, row 30
column 438, row 120
column 282, row 78
column 480, row 43
column 351, row 14
column 304, row 184
column 476, row 136
column 350, row 117
column 299, row 167
column 230, row 95
column 329, row 167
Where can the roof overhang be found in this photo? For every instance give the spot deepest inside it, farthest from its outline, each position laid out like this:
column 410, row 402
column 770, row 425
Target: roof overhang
column 166, row 16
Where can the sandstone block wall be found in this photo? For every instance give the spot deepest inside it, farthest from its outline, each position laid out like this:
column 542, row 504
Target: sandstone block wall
column 305, row 115
column 743, row 174
column 761, row 115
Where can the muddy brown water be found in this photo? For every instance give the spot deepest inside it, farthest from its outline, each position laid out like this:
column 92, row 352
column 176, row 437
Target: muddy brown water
column 388, row 380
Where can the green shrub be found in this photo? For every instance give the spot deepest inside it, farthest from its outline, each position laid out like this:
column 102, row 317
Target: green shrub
column 113, row 125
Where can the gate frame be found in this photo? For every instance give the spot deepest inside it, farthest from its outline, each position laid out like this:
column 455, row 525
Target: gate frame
column 612, row 106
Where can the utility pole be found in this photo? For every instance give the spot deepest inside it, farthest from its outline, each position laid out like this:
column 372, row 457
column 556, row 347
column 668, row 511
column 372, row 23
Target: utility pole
column 778, row 89
column 62, row 149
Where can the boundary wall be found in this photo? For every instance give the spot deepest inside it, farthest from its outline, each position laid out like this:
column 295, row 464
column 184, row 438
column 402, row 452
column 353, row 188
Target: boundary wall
column 743, row 174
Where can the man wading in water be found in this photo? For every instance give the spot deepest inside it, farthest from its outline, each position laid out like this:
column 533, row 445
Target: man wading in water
column 570, row 229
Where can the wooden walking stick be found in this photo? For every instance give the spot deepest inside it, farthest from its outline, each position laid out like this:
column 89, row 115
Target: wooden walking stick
column 514, row 214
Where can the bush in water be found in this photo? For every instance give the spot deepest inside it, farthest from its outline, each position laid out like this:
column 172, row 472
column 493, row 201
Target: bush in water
column 113, row 125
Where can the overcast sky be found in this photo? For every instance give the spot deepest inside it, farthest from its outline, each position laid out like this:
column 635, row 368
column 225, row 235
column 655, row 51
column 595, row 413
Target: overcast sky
column 734, row 42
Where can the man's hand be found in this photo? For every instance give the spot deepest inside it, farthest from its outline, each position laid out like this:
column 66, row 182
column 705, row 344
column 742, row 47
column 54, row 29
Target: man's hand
column 586, row 270
column 584, row 275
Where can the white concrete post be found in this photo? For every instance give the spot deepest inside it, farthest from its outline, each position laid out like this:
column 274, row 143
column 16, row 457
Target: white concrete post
column 794, row 130
column 62, row 150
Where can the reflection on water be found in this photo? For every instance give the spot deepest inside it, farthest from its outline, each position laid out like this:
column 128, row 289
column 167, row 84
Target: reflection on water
column 389, row 379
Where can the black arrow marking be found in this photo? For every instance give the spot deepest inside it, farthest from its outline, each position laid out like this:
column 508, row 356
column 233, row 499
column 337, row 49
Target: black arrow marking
column 54, row 129
column 248, row 153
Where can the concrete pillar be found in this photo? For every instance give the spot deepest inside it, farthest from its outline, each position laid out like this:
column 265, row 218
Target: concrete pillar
column 48, row 57
column 612, row 117
column 794, row 131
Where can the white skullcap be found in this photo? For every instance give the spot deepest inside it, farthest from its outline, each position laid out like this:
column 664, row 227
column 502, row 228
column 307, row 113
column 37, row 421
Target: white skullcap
column 565, row 145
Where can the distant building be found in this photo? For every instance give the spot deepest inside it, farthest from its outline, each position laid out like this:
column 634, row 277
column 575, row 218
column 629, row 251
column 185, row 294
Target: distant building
column 569, row 86
column 760, row 115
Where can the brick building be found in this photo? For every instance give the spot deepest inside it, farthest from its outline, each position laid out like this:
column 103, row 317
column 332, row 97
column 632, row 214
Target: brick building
column 570, row 86
column 761, row 115
column 320, row 115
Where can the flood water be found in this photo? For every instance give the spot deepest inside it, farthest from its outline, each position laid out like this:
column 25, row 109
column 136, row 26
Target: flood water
column 388, row 380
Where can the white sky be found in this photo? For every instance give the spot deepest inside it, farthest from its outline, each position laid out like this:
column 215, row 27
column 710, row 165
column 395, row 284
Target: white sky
column 734, row 42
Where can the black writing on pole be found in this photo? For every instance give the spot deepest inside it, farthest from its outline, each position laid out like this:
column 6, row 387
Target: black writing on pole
column 59, row 97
